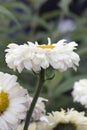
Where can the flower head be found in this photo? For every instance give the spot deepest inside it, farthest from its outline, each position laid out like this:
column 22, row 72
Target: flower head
column 80, row 92
column 60, row 56
column 70, row 120
column 13, row 102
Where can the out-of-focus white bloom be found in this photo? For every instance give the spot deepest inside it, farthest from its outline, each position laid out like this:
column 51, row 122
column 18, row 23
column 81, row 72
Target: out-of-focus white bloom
column 60, row 56
column 13, row 102
column 32, row 126
column 70, row 120
column 39, row 109
column 80, row 92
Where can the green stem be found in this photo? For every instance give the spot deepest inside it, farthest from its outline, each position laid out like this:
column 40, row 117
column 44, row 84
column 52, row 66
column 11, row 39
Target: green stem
column 38, row 90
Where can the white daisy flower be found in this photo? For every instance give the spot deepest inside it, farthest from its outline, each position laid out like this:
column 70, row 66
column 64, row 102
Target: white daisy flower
column 39, row 109
column 13, row 102
column 80, row 92
column 70, row 120
column 60, row 56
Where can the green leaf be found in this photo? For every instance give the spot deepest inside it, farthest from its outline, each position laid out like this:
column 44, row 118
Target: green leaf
column 19, row 5
column 83, row 52
column 64, row 4
column 38, row 3
column 67, row 85
column 6, row 12
column 51, row 14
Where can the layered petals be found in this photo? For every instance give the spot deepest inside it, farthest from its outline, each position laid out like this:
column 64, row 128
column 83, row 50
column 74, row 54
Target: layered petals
column 60, row 56
column 13, row 102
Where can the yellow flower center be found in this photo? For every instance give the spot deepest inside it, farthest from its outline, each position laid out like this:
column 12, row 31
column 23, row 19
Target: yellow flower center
column 46, row 46
column 4, row 101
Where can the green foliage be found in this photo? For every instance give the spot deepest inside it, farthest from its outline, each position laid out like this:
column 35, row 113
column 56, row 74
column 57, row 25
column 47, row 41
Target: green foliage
column 67, row 85
column 13, row 28
column 65, row 5
column 6, row 12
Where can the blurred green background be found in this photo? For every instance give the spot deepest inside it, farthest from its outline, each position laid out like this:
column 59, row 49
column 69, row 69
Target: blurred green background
column 35, row 20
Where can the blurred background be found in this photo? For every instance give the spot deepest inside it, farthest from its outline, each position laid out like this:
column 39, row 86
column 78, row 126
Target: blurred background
column 35, row 20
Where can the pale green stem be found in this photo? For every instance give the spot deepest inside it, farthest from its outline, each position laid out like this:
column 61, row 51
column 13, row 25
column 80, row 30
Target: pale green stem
column 37, row 93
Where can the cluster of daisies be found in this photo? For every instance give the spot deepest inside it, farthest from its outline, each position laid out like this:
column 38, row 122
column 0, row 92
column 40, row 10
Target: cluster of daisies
column 15, row 101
